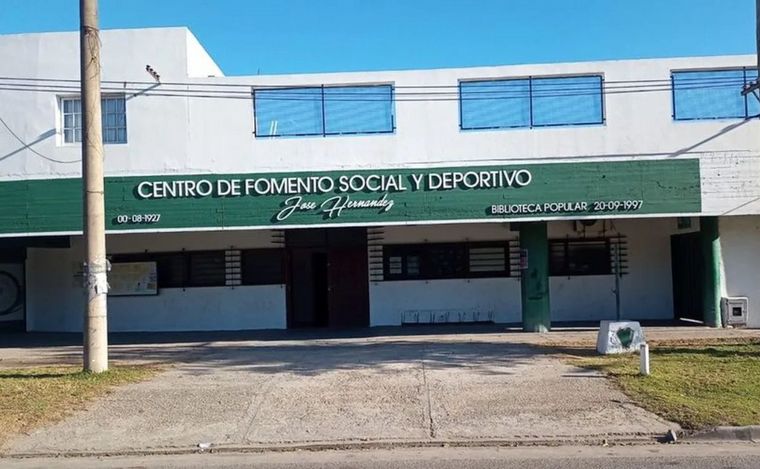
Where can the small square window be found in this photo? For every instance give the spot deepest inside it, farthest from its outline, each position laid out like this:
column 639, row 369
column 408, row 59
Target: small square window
column 113, row 119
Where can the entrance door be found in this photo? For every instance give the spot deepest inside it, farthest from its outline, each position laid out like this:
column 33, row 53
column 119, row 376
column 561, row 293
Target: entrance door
column 687, row 268
column 348, row 289
column 307, row 288
column 328, row 281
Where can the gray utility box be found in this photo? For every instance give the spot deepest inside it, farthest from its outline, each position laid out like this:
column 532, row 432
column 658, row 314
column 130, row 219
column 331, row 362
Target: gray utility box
column 735, row 310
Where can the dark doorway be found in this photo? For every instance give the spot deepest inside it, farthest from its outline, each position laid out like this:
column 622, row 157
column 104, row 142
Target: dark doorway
column 12, row 290
column 688, row 268
column 328, row 284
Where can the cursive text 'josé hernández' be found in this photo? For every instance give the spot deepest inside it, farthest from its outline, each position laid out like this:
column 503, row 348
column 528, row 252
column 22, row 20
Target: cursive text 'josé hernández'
column 332, row 207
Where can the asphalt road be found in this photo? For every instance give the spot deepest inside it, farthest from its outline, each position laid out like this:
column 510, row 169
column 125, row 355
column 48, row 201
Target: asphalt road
column 727, row 455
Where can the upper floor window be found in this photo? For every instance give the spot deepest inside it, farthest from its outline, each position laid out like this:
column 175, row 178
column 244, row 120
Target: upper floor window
column 713, row 94
column 323, row 110
column 113, row 118
column 531, row 102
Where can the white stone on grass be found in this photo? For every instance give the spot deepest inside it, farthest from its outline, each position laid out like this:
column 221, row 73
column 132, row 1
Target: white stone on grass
column 619, row 337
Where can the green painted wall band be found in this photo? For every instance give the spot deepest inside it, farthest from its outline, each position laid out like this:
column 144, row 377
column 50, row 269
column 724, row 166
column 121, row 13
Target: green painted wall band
column 555, row 189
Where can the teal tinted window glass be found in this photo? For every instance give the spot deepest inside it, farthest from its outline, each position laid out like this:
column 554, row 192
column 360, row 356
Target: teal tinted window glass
column 567, row 101
column 494, row 104
column 531, row 102
column 288, row 112
column 358, row 109
column 713, row 94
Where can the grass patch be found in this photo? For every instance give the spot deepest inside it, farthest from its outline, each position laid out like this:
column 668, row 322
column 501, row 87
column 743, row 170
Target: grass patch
column 30, row 397
column 696, row 386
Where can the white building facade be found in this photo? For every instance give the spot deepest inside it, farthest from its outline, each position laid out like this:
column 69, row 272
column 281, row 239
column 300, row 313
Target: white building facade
column 529, row 194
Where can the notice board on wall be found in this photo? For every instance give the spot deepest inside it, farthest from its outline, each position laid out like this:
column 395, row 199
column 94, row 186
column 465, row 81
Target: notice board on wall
column 133, row 278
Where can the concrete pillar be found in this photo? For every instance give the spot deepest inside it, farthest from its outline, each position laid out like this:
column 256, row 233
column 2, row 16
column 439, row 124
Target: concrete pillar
column 534, row 245
column 711, row 281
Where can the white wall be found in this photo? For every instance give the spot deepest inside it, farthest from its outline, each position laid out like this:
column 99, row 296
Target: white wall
column 646, row 292
column 740, row 245
column 55, row 298
column 55, row 301
column 496, row 299
column 205, row 308
column 489, row 298
column 202, row 135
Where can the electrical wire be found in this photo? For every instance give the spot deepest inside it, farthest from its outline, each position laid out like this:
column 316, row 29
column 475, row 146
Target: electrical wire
column 293, row 94
column 751, row 71
column 27, row 146
column 473, row 88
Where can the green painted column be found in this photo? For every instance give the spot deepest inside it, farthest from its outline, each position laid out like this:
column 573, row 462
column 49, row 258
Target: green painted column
column 711, row 281
column 534, row 245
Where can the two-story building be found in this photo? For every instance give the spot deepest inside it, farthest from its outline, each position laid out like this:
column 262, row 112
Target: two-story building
column 525, row 194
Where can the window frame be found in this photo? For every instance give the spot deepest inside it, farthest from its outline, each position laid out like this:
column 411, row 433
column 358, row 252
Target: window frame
column 566, row 271
column 324, row 133
column 531, row 120
column 62, row 99
column 424, row 252
column 674, row 111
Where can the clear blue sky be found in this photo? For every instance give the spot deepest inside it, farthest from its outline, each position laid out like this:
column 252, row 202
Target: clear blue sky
column 293, row 36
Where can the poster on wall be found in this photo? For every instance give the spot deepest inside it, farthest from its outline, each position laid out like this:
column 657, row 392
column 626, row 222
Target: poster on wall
column 133, row 278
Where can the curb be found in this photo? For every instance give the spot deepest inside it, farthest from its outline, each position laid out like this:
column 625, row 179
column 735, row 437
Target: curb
column 748, row 433
column 587, row 440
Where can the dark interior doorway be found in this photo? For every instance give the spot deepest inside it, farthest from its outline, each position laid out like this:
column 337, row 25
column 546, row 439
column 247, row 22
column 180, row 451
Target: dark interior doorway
column 328, row 284
column 688, row 268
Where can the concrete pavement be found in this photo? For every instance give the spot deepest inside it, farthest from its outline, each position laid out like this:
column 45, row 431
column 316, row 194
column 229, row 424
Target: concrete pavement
column 419, row 389
column 32, row 349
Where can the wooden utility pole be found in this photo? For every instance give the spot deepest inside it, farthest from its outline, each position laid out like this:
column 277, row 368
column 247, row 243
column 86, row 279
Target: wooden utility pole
column 754, row 87
column 96, row 265
column 757, row 36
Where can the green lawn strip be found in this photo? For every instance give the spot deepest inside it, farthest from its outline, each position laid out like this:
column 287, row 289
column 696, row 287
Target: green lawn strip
column 696, row 386
column 30, row 397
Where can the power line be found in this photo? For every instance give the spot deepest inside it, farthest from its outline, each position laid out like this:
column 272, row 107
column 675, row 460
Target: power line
column 479, row 84
column 294, row 95
column 483, row 81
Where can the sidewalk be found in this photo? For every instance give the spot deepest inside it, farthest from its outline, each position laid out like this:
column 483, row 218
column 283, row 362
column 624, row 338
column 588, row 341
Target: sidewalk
column 280, row 390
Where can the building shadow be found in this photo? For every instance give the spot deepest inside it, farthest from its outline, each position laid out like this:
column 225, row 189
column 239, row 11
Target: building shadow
column 27, row 145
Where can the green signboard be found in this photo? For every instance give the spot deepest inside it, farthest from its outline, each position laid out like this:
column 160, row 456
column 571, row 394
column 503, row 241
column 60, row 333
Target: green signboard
column 528, row 191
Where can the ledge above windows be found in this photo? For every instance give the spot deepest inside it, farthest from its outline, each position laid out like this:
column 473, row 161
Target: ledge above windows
column 531, row 102
column 323, row 110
